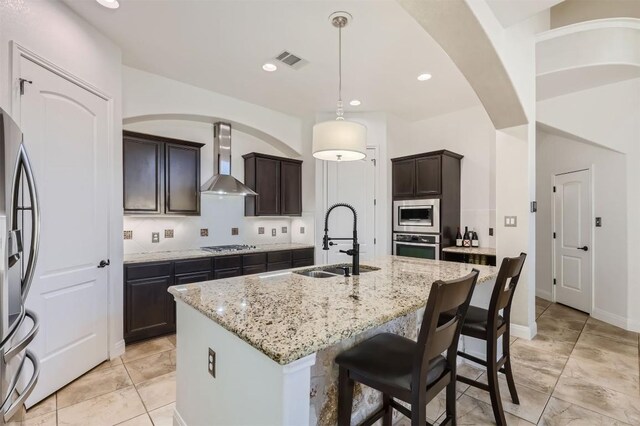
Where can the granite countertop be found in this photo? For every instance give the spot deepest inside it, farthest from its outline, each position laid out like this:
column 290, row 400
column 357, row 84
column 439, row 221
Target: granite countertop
column 288, row 316
column 486, row 251
column 160, row 256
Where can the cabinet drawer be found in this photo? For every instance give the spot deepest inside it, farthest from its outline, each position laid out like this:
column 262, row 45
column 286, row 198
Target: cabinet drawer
column 193, row 265
column 299, row 263
column 302, row 254
column 227, row 273
column 194, row 277
column 278, row 266
column 227, row 262
column 254, row 259
column 279, row 256
column 254, row 269
column 147, row 270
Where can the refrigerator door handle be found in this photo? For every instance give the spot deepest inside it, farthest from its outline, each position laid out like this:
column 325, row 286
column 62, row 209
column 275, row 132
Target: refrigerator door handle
column 18, row 347
column 12, row 330
column 9, row 409
column 23, row 164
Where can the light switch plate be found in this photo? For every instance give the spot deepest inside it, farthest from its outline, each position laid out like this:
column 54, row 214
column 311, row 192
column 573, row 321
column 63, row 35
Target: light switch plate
column 284, row 230
column 234, row 231
column 491, row 232
column 155, row 237
column 302, row 229
column 211, row 363
column 598, row 222
column 273, row 232
column 261, row 230
column 511, row 221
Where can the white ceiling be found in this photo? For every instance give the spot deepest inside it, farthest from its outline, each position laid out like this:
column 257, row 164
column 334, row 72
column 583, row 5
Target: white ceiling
column 510, row 12
column 221, row 46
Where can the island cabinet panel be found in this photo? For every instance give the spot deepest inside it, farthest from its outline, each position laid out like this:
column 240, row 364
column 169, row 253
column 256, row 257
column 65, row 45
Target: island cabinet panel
column 278, row 182
column 160, row 175
column 428, row 173
column 149, row 308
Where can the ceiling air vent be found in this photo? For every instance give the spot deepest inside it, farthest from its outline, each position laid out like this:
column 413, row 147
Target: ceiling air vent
column 291, row 60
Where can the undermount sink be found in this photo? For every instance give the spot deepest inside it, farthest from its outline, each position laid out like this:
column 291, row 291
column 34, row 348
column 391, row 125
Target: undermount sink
column 330, row 271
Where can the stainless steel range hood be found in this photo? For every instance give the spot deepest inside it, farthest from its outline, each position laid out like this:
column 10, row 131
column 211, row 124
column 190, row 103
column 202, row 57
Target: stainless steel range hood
column 222, row 183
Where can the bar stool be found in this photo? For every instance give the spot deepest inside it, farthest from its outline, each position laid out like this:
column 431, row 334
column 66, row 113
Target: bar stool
column 489, row 325
column 413, row 372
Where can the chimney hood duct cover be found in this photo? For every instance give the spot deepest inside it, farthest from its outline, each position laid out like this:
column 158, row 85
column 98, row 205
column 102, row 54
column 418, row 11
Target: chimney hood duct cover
column 222, row 183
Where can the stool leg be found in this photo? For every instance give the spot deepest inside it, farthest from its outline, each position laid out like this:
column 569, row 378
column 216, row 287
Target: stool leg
column 492, row 380
column 345, row 397
column 387, row 419
column 507, row 368
column 451, row 402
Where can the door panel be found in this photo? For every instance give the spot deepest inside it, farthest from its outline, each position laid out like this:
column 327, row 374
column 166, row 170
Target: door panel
column 573, row 270
column 353, row 183
column 65, row 131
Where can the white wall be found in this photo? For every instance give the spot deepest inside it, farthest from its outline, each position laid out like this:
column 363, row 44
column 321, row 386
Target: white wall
column 468, row 132
column 561, row 154
column 610, row 117
column 54, row 32
column 218, row 213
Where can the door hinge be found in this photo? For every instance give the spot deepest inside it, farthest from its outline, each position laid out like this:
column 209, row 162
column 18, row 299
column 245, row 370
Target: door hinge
column 22, row 82
column 375, row 202
column 374, row 240
column 554, row 281
column 554, row 235
column 374, row 161
column 554, row 189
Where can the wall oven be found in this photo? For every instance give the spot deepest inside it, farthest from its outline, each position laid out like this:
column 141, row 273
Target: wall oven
column 413, row 245
column 421, row 216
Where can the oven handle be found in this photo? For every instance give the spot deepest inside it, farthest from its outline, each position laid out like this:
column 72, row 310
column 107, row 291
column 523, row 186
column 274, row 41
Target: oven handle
column 418, row 244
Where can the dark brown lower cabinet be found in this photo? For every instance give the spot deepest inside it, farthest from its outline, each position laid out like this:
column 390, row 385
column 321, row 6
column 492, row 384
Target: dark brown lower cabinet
column 149, row 309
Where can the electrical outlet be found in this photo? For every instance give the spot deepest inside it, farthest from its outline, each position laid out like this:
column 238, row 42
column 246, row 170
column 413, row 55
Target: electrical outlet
column 284, row 230
column 261, row 230
column 598, row 222
column 155, row 237
column 204, row 232
column 511, row 221
column 273, row 232
column 168, row 233
column 211, row 363
column 234, row 231
column 491, row 232
column 128, row 235
column 302, row 229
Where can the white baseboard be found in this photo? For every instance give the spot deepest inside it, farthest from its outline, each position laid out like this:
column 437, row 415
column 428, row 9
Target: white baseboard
column 608, row 317
column 544, row 294
column 118, row 349
column 524, row 332
column 177, row 419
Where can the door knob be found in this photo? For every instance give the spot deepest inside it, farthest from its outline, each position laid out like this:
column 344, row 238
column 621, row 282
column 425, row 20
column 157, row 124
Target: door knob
column 104, row 263
column 585, row 248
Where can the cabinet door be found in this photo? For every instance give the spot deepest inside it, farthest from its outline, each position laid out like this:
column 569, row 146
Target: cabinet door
column 404, row 177
column 194, row 277
column 291, row 188
column 150, row 310
column 182, row 180
column 142, row 176
column 267, row 187
column 227, row 273
column 254, row 269
column 428, row 176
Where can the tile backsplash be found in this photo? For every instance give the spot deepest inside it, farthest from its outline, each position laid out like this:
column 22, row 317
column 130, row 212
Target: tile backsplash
column 214, row 227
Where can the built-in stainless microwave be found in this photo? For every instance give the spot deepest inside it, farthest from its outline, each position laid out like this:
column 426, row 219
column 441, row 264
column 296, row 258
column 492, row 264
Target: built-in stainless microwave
column 422, row 216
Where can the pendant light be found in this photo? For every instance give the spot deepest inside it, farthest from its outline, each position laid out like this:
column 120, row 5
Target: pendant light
column 339, row 139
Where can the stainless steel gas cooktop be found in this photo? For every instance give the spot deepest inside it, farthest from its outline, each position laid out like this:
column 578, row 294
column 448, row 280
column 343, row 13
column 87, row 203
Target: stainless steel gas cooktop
column 228, row 248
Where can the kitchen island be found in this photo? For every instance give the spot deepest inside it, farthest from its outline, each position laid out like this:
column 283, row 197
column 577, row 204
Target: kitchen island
column 271, row 338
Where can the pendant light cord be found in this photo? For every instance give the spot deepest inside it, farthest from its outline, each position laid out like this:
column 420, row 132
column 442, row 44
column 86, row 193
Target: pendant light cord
column 339, row 111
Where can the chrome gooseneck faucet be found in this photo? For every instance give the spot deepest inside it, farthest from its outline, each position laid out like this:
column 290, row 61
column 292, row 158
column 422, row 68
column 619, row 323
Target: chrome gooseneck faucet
column 327, row 241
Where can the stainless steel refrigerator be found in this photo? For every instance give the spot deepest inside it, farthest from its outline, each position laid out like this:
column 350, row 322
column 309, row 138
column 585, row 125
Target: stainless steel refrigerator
column 19, row 237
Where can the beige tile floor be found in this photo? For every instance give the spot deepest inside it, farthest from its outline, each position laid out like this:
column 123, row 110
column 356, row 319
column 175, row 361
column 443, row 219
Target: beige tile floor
column 576, row 371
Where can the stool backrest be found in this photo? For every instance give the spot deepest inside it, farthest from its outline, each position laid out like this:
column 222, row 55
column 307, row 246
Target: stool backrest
column 449, row 296
column 505, row 288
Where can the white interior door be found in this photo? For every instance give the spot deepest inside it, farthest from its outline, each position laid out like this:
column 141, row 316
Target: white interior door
column 573, row 249
column 65, row 132
column 352, row 182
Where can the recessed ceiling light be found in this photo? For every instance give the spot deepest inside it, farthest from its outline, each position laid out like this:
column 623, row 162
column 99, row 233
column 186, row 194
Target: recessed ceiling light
column 269, row 67
column 355, row 102
column 111, row 4
column 424, row 77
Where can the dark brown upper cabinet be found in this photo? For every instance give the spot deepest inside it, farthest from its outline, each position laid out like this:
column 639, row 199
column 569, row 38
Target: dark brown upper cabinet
column 422, row 175
column 160, row 175
column 278, row 182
